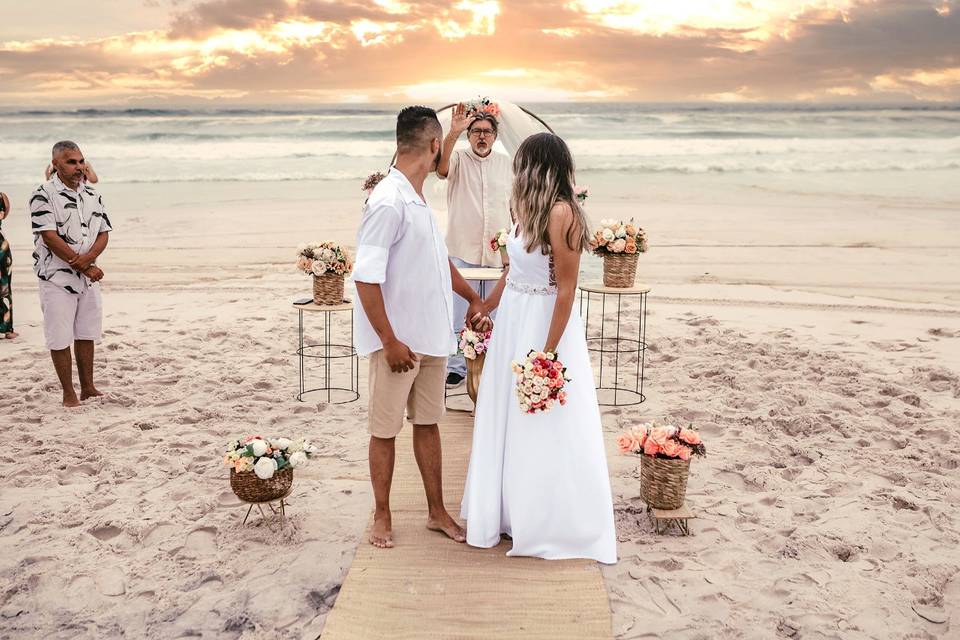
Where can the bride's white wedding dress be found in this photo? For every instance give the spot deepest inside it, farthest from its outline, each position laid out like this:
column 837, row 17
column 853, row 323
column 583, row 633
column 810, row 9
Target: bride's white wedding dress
column 541, row 479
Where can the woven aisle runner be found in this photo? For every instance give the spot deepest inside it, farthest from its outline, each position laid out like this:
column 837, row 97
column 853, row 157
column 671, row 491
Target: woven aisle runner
column 430, row 587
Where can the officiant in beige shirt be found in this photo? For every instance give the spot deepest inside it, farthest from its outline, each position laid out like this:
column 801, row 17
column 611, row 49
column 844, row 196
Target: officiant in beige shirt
column 478, row 203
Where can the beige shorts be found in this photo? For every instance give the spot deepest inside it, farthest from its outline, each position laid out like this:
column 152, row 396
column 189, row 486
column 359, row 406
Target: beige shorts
column 419, row 390
column 70, row 316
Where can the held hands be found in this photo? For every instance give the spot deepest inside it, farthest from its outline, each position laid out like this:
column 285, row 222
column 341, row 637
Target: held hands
column 399, row 356
column 478, row 316
column 459, row 122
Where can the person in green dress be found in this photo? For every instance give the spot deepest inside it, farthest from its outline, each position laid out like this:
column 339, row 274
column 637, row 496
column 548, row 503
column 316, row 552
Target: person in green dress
column 6, row 268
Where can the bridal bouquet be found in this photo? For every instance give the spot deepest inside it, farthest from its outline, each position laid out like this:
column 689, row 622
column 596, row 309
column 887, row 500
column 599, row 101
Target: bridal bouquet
column 319, row 258
column 540, row 381
column 661, row 441
column 473, row 344
column 266, row 456
column 617, row 237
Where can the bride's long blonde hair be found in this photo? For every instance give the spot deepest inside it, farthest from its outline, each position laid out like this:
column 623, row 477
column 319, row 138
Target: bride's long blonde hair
column 542, row 177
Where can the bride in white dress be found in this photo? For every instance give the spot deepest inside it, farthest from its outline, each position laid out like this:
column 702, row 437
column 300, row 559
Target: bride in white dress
column 540, row 478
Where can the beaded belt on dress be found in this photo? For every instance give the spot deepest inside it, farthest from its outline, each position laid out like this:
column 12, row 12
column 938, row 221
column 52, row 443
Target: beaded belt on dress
column 537, row 290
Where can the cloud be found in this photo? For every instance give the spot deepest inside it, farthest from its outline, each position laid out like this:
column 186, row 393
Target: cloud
column 273, row 50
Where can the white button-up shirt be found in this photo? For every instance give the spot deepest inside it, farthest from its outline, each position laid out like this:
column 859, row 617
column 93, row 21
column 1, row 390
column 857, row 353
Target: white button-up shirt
column 399, row 247
column 478, row 204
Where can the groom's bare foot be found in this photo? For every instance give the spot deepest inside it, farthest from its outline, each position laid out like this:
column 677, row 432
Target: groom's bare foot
column 381, row 533
column 444, row 523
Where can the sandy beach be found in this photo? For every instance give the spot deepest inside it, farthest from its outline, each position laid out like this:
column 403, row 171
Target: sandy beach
column 818, row 354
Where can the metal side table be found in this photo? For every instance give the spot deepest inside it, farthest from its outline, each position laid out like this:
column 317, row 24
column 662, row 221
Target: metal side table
column 618, row 383
column 329, row 353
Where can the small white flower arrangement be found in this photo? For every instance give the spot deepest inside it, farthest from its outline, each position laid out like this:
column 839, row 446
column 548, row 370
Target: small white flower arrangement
column 266, row 456
column 499, row 240
column 318, row 258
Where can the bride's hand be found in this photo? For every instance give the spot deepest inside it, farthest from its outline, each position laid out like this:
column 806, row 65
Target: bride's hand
column 478, row 316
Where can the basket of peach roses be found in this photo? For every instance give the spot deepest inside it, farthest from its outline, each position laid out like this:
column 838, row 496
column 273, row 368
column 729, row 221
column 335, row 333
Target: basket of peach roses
column 665, row 453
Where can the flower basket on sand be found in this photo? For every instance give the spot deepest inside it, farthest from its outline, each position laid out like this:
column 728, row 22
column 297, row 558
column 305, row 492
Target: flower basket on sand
column 473, row 345
column 665, row 453
column 261, row 469
column 620, row 244
column 328, row 263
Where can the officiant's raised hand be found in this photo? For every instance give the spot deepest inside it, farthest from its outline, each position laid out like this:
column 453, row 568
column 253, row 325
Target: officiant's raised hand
column 399, row 356
column 459, row 122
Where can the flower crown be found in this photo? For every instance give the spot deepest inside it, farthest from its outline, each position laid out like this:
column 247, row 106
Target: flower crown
column 480, row 106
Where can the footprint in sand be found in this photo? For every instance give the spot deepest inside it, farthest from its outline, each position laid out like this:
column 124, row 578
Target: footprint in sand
column 77, row 473
column 201, row 542
column 105, row 533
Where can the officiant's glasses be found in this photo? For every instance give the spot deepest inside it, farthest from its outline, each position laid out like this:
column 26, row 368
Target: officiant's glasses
column 482, row 132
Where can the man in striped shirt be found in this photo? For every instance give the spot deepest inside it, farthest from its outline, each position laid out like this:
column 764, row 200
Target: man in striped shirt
column 70, row 230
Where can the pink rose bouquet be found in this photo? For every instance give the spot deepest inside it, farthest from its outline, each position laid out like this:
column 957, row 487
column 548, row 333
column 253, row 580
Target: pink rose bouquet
column 616, row 236
column 540, row 381
column 473, row 344
column 321, row 257
column 661, row 441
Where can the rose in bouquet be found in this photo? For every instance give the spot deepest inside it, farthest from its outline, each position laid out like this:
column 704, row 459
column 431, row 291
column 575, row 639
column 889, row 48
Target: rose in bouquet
column 266, row 456
column 661, row 441
column 540, row 381
column 319, row 258
column 581, row 194
column 473, row 344
column 616, row 236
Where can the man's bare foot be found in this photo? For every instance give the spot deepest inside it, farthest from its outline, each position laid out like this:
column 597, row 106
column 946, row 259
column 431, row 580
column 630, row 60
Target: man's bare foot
column 444, row 523
column 70, row 400
column 90, row 393
column 11, row 335
column 381, row 533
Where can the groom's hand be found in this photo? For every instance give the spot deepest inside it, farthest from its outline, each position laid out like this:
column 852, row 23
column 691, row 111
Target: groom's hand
column 478, row 318
column 399, row 356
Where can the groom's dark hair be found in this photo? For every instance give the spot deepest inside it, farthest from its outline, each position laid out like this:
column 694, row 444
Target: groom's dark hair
column 415, row 125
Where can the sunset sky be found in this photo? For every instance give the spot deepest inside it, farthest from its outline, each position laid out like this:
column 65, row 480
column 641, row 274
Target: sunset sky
column 65, row 54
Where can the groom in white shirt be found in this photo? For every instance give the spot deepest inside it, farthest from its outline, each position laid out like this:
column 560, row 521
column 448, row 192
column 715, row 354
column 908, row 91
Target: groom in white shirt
column 404, row 322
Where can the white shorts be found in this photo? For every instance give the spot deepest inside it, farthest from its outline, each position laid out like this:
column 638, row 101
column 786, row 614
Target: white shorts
column 68, row 316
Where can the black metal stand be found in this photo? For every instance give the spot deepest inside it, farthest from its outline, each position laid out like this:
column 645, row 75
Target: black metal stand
column 614, row 393
column 328, row 352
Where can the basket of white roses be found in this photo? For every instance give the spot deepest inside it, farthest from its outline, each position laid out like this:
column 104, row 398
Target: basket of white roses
column 329, row 264
column 261, row 469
